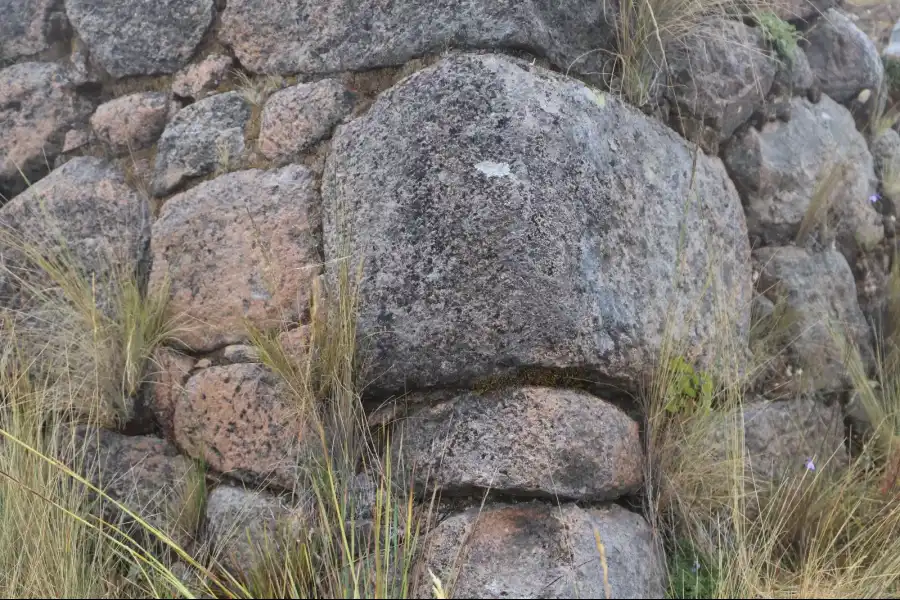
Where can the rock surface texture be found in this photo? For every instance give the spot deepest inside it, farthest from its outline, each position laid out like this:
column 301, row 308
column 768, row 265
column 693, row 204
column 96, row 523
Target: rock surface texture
column 133, row 37
column 131, row 122
column 244, row 526
column 480, row 227
column 537, row 550
column 202, row 138
column 29, row 27
column 815, row 167
column 239, row 419
column 311, row 37
column 527, row 442
column 197, row 80
column 147, row 475
column 242, row 246
column 86, row 206
column 38, row 106
column 820, row 291
column 297, row 117
column 512, row 218
column 781, row 439
column 718, row 77
column 843, row 59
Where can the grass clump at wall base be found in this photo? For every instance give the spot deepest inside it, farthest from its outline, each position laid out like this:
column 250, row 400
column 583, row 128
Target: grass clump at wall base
column 84, row 368
column 348, row 557
column 828, row 530
column 95, row 337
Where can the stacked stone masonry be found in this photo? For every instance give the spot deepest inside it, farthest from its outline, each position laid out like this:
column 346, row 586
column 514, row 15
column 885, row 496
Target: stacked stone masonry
column 516, row 215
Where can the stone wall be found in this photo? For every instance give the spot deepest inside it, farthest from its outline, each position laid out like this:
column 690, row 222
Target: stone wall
column 514, row 214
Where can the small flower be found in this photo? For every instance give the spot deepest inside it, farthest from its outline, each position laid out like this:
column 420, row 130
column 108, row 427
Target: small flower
column 810, row 465
column 874, row 198
column 696, row 566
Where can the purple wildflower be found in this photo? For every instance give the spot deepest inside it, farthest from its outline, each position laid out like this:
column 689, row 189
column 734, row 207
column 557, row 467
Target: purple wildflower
column 696, row 566
column 874, row 198
column 810, row 465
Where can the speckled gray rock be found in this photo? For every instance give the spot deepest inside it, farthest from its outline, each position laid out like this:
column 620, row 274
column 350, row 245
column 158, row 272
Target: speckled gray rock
column 299, row 116
column 780, row 437
column 818, row 287
column 243, row 526
column 104, row 224
column 779, row 169
column 537, row 550
column 718, row 76
column 201, row 138
column 843, row 58
column 240, row 420
column 144, row 473
column 133, row 37
column 510, row 217
column 241, row 246
column 525, row 442
column 317, row 36
column 38, row 106
column 29, row 27
column 133, row 122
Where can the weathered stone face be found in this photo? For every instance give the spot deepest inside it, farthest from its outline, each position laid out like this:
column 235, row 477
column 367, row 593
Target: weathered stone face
column 38, row 106
column 244, row 526
column 508, row 218
column 29, row 27
column 781, row 439
column 718, row 76
column 197, row 80
column 147, row 475
column 242, row 246
column 132, row 122
column 542, row 551
column 843, row 58
column 87, row 206
column 820, row 289
column 523, row 442
column 240, row 420
column 312, row 37
column 169, row 372
column 299, row 116
column 131, row 37
column 200, row 139
column 782, row 168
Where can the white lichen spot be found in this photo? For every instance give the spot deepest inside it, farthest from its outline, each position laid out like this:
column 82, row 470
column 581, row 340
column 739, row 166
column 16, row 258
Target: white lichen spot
column 598, row 96
column 494, row 169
